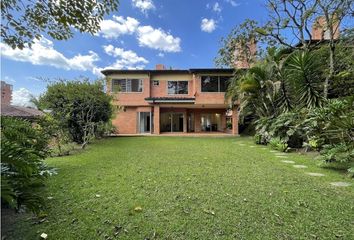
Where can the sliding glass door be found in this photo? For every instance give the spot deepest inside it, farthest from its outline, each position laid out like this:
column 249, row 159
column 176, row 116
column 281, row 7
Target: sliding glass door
column 211, row 122
column 171, row 122
column 144, row 122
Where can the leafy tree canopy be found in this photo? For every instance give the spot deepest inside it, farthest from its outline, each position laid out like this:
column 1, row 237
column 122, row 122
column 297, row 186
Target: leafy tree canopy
column 80, row 106
column 24, row 21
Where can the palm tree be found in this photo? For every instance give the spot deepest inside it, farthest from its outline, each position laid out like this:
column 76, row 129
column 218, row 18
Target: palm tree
column 278, row 84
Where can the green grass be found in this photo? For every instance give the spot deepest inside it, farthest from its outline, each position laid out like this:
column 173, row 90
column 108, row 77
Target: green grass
column 190, row 188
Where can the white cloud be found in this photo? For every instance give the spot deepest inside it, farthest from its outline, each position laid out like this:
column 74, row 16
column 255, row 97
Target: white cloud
column 208, row 25
column 9, row 79
column 233, row 3
column 126, row 58
column 43, row 53
column 30, row 78
column 161, row 55
column 158, row 39
column 146, row 35
column 118, row 26
column 144, row 5
column 22, row 98
column 217, row 8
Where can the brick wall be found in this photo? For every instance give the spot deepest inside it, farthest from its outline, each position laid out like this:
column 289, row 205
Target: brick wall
column 126, row 121
column 6, row 93
column 319, row 29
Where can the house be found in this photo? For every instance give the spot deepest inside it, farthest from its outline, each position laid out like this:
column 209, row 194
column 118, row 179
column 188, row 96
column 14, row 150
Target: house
column 165, row 100
column 20, row 112
column 6, row 93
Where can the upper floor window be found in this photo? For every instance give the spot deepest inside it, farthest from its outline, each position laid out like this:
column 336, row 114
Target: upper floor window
column 156, row 83
column 177, row 87
column 214, row 83
column 127, row 85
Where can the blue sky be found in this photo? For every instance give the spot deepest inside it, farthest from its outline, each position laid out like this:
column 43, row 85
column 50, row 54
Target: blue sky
column 142, row 33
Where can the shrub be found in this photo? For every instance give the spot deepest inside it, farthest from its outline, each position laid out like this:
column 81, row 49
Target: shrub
column 351, row 172
column 59, row 140
column 286, row 126
column 79, row 107
column 23, row 172
column 333, row 123
column 104, row 129
column 278, row 144
column 262, row 127
column 339, row 156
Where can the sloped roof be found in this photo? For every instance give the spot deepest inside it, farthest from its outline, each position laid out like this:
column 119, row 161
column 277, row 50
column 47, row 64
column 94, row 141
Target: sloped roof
column 169, row 71
column 22, row 112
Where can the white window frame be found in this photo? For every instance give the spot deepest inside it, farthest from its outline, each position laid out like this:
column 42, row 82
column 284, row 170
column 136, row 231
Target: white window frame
column 126, row 84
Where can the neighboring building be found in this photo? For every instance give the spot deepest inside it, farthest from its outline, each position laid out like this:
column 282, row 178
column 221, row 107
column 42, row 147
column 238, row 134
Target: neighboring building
column 158, row 101
column 6, row 93
column 244, row 58
column 320, row 30
column 20, row 112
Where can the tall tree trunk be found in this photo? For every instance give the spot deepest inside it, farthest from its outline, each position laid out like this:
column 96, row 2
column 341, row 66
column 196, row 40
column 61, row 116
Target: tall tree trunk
column 331, row 70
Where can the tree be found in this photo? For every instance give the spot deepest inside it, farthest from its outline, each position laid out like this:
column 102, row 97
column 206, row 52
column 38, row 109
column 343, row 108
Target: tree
column 24, row 21
column 334, row 11
column 243, row 40
column 278, row 84
column 298, row 16
column 80, row 106
column 294, row 16
column 23, row 171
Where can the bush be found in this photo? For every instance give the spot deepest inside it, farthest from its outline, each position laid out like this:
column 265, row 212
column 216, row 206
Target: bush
column 333, row 123
column 287, row 126
column 339, row 156
column 262, row 127
column 23, row 172
column 59, row 140
column 351, row 172
column 79, row 106
column 278, row 144
column 104, row 129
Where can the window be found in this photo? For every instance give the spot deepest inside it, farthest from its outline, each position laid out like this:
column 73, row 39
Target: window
column 177, row 87
column 224, row 83
column 214, row 83
column 156, row 83
column 127, row 85
column 210, row 84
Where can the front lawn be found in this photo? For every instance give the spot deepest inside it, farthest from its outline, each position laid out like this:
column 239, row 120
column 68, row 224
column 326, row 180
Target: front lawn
column 191, row 188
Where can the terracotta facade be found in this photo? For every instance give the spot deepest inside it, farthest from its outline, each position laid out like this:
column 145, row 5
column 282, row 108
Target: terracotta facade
column 154, row 110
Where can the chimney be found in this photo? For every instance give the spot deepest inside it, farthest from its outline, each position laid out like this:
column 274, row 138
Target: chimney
column 240, row 56
column 320, row 31
column 160, row 67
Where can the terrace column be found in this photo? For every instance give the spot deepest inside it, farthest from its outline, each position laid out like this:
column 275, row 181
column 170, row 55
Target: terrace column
column 235, row 121
column 197, row 127
column 156, row 119
column 223, row 121
column 185, row 121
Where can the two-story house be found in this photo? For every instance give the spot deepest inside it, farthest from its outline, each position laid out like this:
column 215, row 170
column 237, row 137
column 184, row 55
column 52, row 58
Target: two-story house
column 164, row 101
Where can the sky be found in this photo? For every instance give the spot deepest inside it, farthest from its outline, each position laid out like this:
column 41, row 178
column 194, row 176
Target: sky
column 142, row 33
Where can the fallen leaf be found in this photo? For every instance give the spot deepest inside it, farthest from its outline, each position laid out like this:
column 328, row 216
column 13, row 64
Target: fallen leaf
column 209, row 211
column 44, row 236
column 138, row 209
